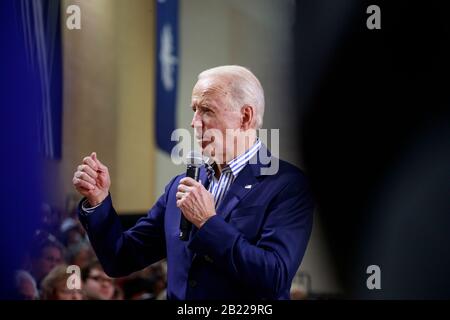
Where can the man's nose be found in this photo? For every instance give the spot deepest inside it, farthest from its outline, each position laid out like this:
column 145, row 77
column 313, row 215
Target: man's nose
column 196, row 122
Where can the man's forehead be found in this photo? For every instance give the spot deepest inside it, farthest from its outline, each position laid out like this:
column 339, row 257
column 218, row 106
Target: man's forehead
column 208, row 88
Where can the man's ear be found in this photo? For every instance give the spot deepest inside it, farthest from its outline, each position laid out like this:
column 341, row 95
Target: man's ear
column 247, row 116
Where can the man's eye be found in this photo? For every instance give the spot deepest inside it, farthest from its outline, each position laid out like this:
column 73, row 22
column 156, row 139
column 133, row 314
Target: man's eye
column 201, row 110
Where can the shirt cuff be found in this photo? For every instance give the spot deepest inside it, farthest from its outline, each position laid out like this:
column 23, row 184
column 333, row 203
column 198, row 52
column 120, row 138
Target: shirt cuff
column 87, row 209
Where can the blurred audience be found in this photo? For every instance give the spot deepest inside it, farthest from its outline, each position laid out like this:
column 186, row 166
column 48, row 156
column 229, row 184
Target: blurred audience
column 50, row 218
column 80, row 254
column 62, row 242
column 97, row 285
column 54, row 286
column 46, row 253
column 72, row 232
column 139, row 288
column 26, row 288
column 118, row 293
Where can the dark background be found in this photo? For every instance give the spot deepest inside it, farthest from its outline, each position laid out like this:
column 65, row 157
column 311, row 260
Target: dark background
column 376, row 140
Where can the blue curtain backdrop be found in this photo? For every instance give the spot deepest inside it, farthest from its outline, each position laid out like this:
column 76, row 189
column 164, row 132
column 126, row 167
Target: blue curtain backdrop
column 42, row 36
column 30, row 109
column 167, row 60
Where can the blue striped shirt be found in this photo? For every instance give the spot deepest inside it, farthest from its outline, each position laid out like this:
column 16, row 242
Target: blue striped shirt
column 219, row 187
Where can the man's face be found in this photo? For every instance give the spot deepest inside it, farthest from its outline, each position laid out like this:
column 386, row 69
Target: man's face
column 213, row 115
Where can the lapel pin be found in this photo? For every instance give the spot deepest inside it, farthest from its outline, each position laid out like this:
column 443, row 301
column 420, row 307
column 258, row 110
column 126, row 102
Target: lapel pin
column 248, row 186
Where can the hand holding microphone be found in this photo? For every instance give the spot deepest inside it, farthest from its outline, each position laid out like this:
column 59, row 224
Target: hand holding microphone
column 195, row 202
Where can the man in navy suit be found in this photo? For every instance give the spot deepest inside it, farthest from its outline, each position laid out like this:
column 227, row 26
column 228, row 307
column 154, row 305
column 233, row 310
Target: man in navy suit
column 251, row 224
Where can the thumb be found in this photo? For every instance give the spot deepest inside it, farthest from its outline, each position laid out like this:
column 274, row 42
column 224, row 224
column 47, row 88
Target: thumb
column 99, row 164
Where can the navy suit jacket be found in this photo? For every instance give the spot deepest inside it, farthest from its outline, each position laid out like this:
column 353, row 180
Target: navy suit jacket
column 251, row 249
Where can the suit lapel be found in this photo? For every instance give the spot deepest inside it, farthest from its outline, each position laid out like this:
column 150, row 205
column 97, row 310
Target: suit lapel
column 237, row 191
column 244, row 184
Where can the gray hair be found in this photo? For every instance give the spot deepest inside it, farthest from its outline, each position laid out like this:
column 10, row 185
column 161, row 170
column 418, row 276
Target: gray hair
column 245, row 88
column 22, row 275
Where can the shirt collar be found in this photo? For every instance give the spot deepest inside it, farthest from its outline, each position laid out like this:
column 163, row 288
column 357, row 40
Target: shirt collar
column 237, row 164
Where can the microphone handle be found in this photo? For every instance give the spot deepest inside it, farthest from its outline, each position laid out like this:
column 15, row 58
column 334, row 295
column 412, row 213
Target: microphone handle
column 185, row 224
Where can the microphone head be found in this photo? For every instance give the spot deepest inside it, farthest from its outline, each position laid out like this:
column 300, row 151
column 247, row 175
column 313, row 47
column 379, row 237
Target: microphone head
column 194, row 158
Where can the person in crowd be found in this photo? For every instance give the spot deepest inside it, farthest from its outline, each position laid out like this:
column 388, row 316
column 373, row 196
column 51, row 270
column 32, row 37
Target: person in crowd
column 97, row 285
column 80, row 254
column 26, row 288
column 55, row 286
column 72, row 232
column 46, row 253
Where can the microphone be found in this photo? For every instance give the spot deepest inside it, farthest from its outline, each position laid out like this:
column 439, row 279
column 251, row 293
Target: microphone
column 194, row 161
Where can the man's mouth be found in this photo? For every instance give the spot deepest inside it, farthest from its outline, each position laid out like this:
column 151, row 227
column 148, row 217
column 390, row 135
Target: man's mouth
column 204, row 143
